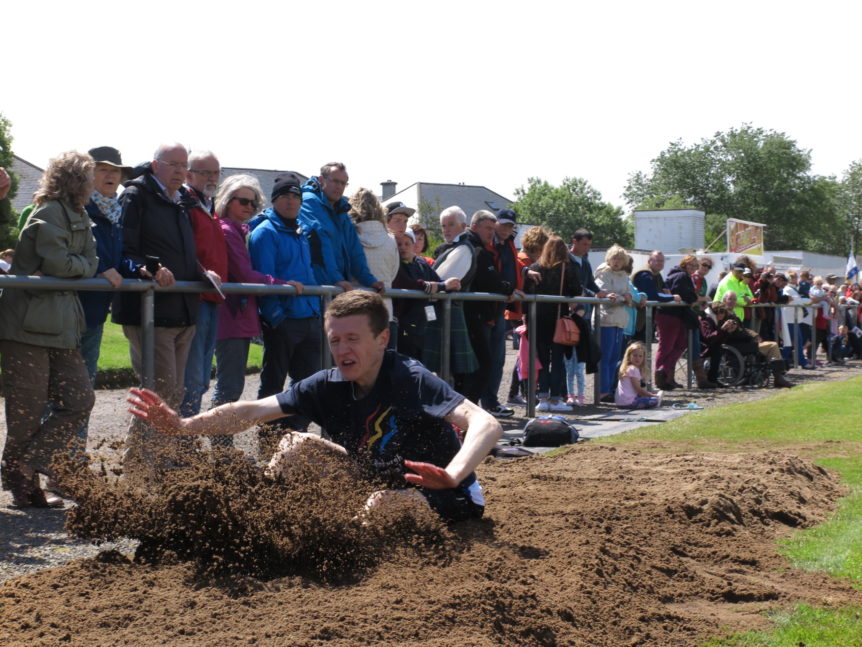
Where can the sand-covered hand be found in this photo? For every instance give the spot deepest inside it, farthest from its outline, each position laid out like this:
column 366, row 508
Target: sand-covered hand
column 149, row 406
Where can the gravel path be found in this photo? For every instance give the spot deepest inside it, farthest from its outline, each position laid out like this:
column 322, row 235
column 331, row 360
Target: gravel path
column 32, row 539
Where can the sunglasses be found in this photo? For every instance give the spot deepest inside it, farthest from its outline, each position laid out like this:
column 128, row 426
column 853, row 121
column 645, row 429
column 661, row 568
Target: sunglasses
column 707, row 265
column 246, row 201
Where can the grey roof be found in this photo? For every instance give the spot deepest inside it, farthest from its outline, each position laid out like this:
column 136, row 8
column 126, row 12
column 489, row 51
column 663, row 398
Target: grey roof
column 431, row 198
column 28, row 181
column 265, row 176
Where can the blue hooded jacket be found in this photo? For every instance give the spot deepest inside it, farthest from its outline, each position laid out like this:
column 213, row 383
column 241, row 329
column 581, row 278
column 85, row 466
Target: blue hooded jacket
column 282, row 252
column 336, row 253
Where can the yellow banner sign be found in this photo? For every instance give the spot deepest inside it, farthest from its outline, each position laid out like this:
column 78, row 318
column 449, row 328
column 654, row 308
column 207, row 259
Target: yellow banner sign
column 745, row 237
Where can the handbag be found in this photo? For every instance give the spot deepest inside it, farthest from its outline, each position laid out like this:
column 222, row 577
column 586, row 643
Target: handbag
column 566, row 331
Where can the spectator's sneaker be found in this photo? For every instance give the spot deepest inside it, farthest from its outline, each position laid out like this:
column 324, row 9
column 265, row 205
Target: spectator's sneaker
column 579, row 401
column 501, row 412
column 517, row 401
column 543, row 406
column 570, row 401
column 560, row 407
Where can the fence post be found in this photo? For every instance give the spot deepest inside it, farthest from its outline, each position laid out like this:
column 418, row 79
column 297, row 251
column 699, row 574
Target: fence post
column 148, row 339
column 689, row 333
column 597, row 378
column 777, row 319
column 531, row 362
column 797, row 338
column 648, row 341
column 446, row 340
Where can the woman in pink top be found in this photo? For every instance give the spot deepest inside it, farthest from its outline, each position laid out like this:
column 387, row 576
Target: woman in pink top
column 238, row 199
column 630, row 394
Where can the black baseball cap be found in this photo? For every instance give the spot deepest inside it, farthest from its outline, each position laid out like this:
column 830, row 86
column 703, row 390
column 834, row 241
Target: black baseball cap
column 507, row 217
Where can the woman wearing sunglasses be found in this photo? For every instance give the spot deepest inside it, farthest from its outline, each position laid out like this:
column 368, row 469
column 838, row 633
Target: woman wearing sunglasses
column 239, row 198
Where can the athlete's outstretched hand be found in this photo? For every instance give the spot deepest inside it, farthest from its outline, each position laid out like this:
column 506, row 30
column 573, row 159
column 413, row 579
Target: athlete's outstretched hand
column 149, row 406
column 430, row 476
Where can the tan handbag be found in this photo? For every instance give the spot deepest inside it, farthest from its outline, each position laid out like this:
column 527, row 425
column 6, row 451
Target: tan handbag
column 566, row 331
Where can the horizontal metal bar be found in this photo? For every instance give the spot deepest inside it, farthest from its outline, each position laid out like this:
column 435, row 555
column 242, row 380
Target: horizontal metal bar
column 139, row 285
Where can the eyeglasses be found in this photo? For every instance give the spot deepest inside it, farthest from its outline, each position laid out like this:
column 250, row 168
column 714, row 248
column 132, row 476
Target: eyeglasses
column 245, row 202
column 177, row 166
column 343, row 183
column 204, row 173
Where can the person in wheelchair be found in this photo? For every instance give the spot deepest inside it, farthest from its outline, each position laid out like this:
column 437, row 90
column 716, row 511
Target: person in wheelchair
column 724, row 328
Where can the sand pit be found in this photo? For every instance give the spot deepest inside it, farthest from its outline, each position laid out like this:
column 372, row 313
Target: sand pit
column 597, row 546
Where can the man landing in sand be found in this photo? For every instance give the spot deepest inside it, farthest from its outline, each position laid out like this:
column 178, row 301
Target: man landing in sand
column 385, row 410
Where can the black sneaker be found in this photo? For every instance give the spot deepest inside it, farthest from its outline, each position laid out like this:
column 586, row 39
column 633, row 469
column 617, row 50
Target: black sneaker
column 515, row 400
column 501, row 412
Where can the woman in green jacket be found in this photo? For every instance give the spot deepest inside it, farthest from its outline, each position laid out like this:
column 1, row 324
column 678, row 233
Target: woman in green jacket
column 48, row 390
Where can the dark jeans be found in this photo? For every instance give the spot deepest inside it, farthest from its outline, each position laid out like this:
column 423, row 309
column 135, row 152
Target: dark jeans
column 231, row 360
column 497, row 348
column 290, row 349
column 552, row 375
column 713, row 354
column 199, row 365
column 798, row 344
column 474, row 384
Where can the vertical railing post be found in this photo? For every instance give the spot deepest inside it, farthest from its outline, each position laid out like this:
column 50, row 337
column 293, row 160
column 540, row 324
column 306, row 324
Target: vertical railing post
column 797, row 338
column 148, row 339
column 531, row 362
column 648, row 342
column 446, row 340
column 777, row 317
column 690, row 352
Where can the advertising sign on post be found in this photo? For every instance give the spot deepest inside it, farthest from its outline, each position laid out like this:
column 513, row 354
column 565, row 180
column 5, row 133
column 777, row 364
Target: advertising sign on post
column 745, row 237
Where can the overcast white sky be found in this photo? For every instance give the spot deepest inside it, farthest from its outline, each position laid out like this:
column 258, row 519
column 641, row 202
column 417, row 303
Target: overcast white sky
column 477, row 92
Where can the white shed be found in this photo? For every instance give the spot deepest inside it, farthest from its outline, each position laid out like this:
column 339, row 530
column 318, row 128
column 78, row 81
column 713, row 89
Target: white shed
column 669, row 230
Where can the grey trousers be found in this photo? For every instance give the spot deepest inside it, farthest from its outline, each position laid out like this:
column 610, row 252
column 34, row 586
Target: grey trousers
column 146, row 449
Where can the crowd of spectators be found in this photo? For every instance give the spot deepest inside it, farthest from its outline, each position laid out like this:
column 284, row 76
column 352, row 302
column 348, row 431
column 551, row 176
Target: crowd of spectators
column 176, row 220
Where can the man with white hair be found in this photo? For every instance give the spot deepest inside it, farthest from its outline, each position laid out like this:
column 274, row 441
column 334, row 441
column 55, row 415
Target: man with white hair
column 455, row 257
column 202, row 183
column 159, row 242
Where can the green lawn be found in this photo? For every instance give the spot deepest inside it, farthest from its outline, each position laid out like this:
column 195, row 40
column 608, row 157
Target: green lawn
column 820, row 422
column 115, row 350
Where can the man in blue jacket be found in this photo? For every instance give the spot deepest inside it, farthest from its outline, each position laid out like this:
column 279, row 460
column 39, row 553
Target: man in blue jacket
column 290, row 324
column 337, row 256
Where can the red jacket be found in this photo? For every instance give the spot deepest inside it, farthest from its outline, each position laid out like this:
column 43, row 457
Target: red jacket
column 209, row 242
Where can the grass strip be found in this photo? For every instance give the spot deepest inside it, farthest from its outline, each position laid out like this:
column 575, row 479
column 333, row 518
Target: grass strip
column 817, row 421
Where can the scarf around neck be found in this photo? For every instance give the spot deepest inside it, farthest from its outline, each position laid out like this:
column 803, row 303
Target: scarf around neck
column 109, row 207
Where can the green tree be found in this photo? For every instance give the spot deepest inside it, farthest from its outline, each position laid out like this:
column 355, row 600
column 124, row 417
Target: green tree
column 572, row 205
column 8, row 217
column 850, row 204
column 747, row 173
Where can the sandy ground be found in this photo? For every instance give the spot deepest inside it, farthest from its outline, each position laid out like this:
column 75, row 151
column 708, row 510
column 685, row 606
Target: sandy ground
column 596, row 546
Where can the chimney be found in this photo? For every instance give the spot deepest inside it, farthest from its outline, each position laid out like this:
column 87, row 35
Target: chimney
column 388, row 188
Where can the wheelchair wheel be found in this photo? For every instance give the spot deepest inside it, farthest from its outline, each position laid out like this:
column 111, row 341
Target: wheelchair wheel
column 731, row 370
column 758, row 372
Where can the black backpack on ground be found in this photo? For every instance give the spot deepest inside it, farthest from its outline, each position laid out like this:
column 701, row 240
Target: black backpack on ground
column 549, row 431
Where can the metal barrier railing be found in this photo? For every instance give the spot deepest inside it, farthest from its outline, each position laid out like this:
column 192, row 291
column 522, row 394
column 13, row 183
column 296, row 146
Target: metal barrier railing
column 149, row 288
